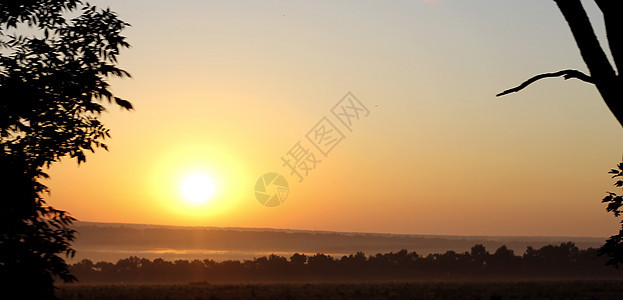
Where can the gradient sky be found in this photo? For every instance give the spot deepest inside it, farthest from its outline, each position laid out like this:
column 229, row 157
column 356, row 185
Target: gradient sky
column 227, row 88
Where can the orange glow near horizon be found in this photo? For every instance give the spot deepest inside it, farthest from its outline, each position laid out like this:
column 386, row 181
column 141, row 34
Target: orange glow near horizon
column 230, row 90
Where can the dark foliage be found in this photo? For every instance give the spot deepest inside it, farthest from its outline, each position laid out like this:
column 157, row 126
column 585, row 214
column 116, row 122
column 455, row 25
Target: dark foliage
column 564, row 261
column 53, row 80
column 614, row 245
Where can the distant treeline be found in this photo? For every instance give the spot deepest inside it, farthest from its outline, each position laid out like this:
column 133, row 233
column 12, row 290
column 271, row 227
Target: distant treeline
column 548, row 262
column 132, row 236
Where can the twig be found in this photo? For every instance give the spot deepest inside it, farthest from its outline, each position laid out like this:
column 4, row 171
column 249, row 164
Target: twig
column 566, row 73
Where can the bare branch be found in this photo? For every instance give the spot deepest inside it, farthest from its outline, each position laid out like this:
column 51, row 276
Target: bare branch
column 565, row 73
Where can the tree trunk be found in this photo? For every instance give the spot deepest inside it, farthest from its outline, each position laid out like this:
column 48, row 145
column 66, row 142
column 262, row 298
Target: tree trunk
column 612, row 93
column 613, row 19
column 604, row 77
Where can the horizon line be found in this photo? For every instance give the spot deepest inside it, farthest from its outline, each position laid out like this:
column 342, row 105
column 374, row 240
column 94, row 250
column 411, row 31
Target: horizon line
column 341, row 232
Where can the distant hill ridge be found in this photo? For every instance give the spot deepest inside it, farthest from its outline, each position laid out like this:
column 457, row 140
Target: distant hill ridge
column 113, row 241
column 140, row 225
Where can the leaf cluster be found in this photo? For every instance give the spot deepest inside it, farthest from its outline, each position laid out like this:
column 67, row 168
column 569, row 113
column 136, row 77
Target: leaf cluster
column 614, row 245
column 53, row 85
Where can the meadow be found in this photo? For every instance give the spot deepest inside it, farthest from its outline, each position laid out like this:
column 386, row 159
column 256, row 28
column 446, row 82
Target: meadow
column 568, row 289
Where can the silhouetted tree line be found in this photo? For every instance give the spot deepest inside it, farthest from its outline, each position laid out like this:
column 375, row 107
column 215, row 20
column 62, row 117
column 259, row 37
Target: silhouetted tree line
column 562, row 261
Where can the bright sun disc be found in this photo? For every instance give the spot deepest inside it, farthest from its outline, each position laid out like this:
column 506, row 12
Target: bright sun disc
column 198, row 188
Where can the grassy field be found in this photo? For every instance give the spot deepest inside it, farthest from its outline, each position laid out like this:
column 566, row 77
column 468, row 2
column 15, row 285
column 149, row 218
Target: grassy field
column 597, row 289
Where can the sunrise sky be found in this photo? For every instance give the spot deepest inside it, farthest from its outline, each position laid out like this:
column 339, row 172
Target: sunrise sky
column 226, row 88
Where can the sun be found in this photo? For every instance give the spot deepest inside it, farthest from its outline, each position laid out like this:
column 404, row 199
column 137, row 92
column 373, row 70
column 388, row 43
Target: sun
column 198, row 188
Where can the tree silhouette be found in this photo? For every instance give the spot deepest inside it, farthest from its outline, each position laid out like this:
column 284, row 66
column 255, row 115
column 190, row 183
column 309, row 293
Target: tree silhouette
column 608, row 82
column 602, row 73
column 53, row 82
column 564, row 261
